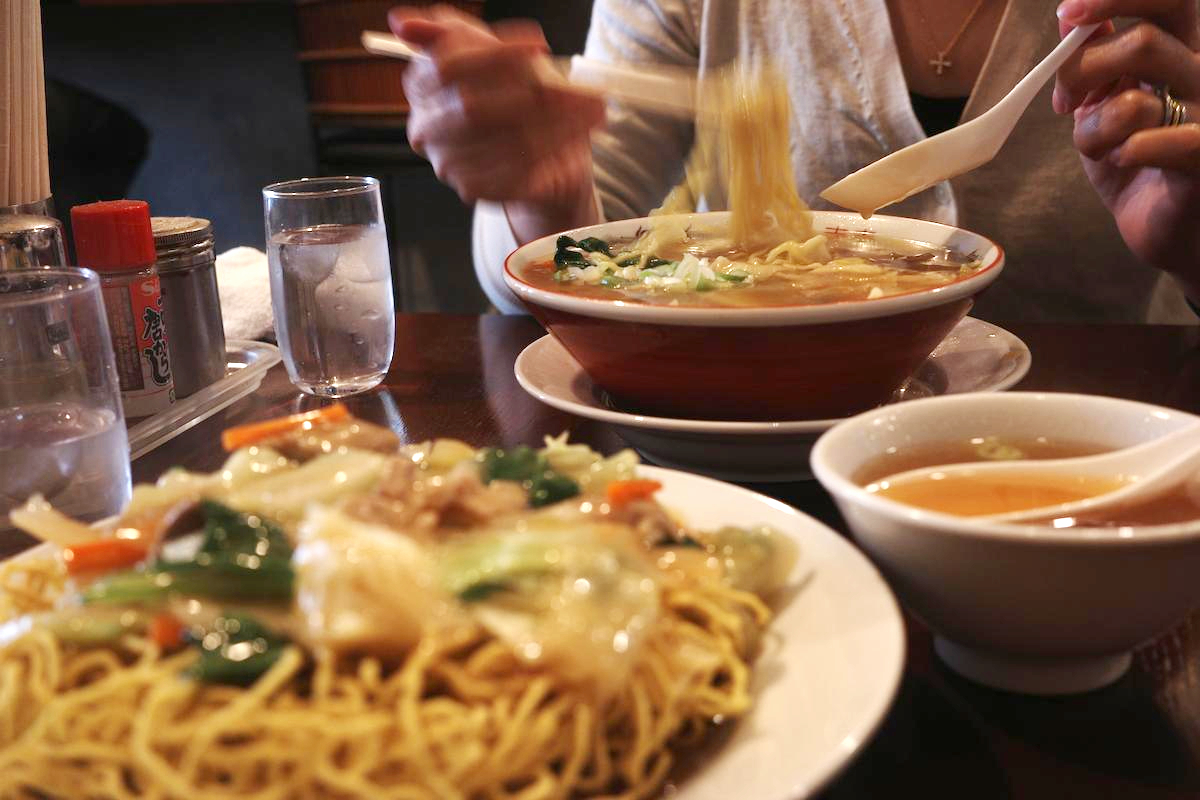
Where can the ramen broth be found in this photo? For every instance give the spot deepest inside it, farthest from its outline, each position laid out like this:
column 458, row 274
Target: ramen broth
column 861, row 267
column 974, row 496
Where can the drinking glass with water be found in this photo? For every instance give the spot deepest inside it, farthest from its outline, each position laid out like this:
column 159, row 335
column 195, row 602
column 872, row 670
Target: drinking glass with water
column 331, row 283
column 62, row 428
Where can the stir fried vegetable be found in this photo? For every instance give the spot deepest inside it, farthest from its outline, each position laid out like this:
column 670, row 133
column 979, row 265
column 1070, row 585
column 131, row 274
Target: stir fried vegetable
column 39, row 519
column 568, row 590
column 90, row 627
column 229, row 531
column 102, row 555
column 237, row 650
column 243, row 558
column 364, row 586
column 323, row 527
column 620, row 493
column 244, row 435
column 166, row 631
column 224, row 577
column 529, row 468
column 284, row 496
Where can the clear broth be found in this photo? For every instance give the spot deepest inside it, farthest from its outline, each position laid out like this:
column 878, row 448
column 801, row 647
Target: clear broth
column 974, row 496
column 976, row 448
column 969, row 498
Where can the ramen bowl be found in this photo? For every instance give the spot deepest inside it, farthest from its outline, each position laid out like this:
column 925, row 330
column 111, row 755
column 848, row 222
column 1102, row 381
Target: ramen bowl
column 1025, row 608
column 790, row 362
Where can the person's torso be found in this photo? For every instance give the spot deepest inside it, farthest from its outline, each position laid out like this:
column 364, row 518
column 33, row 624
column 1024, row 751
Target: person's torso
column 851, row 106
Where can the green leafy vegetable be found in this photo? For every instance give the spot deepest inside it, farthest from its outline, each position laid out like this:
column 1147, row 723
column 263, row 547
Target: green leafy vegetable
column 662, row 270
column 519, row 463
column 236, row 650
column 568, row 254
column 529, row 468
column 594, row 245
column 549, row 487
column 686, row 542
column 479, row 567
column 732, row 277
column 244, row 557
column 477, row 592
column 221, row 576
column 226, row 530
column 91, row 626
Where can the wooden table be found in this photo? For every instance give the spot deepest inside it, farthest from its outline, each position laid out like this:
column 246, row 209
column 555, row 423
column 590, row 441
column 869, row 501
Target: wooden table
column 945, row 737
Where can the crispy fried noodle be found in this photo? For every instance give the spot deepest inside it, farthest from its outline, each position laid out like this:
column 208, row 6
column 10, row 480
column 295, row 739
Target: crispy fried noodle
column 349, row 618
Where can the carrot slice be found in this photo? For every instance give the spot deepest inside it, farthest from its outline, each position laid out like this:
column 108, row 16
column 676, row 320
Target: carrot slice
column 621, row 492
column 238, row 437
column 102, row 555
column 166, row 631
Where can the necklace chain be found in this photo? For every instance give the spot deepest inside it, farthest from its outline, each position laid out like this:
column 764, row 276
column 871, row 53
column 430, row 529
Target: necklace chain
column 940, row 64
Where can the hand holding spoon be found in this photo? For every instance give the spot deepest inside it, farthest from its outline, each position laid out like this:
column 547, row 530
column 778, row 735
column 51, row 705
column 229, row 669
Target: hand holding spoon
column 958, row 150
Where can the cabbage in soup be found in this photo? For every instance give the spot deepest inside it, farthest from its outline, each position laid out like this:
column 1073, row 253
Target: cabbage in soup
column 702, row 269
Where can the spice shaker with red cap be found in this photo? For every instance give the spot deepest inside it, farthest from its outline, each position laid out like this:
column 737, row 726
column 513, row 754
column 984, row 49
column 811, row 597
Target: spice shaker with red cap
column 115, row 239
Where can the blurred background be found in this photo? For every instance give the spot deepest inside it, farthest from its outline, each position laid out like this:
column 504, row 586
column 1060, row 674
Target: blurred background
column 195, row 105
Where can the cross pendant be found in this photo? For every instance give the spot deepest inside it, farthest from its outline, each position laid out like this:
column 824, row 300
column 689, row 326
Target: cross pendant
column 939, row 64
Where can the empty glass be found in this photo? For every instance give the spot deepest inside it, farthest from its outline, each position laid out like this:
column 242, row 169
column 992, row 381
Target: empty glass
column 331, row 283
column 62, row 430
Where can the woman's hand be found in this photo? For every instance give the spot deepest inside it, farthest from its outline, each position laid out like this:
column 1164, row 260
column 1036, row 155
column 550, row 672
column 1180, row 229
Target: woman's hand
column 490, row 127
column 1146, row 173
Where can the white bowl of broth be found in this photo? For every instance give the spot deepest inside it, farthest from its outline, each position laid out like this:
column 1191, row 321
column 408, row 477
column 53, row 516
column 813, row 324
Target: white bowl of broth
column 1040, row 608
column 814, row 340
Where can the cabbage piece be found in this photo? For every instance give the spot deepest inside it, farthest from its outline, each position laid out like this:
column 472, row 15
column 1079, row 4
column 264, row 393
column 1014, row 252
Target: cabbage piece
column 589, row 469
column 757, row 559
column 365, row 588
column 284, row 496
column 242, row 468
column 39, row 519
column 567, row 590
column 441, row 455
column 86, row 627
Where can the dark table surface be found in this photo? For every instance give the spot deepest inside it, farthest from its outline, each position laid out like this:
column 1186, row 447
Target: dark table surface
column 944, row 737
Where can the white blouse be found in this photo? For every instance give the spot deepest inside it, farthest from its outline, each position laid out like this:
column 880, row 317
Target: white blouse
column 1065, row 259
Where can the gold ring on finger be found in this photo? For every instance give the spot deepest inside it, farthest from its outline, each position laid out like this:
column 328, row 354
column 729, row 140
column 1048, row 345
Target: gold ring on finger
column 1174, row 112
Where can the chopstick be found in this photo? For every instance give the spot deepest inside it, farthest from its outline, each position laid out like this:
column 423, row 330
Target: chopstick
column 668, row 90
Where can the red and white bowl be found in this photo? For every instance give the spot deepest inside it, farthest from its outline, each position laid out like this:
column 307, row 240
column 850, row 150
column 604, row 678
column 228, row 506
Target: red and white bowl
column 777, row 363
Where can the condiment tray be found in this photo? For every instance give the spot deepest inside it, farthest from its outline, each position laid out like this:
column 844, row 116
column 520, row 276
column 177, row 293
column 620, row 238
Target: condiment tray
column 246, row 362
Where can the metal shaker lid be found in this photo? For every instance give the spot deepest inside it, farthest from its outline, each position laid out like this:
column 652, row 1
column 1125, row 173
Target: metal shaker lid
column 171, row 232
column 181, row 242
column 30, row 241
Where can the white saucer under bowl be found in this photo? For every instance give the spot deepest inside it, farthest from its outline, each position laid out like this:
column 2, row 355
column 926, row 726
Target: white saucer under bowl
column 976, row 357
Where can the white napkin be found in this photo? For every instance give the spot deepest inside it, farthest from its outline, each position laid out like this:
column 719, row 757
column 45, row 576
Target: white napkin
column 245, row 289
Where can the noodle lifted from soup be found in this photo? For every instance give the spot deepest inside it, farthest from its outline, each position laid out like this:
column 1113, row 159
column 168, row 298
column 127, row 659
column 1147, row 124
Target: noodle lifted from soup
column 741, row 153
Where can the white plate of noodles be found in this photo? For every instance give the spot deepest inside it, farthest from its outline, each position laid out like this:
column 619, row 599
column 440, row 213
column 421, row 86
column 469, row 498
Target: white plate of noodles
column 358, row 619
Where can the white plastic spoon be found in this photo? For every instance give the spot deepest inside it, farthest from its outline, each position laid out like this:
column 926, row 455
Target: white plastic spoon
column 670, row 90
column 1146, row 471
column 958, row 150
